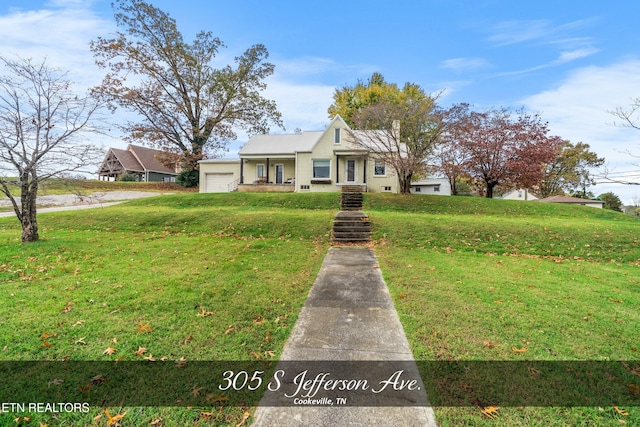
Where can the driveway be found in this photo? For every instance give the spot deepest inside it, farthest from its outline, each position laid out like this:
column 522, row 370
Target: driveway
column 65, row 202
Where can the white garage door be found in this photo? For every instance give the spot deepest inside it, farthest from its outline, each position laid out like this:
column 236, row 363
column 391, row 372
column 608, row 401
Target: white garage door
column 218, row 182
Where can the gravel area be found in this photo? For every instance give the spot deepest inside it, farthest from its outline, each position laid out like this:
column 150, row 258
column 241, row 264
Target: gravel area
column 72, row 201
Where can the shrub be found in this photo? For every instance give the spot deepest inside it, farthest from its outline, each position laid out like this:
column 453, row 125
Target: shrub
column 188, row 178
column 128, row 177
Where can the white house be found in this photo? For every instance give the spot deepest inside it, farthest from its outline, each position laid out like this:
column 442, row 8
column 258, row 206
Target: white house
column 520, row 194
column 317, row 161
column 437, row 186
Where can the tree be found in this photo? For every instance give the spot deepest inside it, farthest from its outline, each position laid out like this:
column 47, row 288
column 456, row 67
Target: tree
column 569, row 171
column 502, row 148
column 41, row 125
column 350, row 100
column 184, row 104
column 611, row 201
column 449, row 156
column 402, row 133
column 630, row 118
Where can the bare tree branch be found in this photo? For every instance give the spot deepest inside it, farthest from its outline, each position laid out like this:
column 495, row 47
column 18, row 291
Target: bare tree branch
column 43, row 127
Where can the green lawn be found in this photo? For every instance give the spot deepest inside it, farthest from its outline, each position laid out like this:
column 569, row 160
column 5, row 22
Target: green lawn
column 223, row 277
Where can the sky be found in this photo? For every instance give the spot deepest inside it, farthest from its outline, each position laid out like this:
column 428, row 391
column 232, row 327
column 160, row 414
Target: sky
column 572, row 62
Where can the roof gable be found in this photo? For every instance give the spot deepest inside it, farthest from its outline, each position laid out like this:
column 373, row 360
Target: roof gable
column 148, row 159
column 128, row 161
column 289, row 144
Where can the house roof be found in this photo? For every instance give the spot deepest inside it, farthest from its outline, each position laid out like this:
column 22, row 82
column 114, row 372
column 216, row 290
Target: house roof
column 148, row 158
column 127, row 160
column 567, row 199
column 140, row 159
column 280, row 144
column 289, row 144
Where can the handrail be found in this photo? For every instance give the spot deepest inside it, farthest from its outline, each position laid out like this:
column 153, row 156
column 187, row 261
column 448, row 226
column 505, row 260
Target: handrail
column 233, row 185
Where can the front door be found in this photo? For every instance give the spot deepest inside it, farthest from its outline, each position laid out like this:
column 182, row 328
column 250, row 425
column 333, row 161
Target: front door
column 279, row 174
column 351, row 171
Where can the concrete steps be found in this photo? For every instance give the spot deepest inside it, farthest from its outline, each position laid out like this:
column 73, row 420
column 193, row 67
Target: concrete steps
column 351, row 201
column 351, row 227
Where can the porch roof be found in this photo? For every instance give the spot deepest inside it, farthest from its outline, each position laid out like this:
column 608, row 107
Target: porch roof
column 279, row 145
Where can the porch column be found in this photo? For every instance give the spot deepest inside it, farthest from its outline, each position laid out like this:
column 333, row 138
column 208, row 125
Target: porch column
column 366, row 160
column 337, row 168
column 267, row 170
column 241, row 171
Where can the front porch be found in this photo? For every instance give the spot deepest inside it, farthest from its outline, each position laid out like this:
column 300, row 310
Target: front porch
column 266, row 188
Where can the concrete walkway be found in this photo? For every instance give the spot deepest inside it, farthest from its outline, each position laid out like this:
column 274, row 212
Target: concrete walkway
column 349, row 316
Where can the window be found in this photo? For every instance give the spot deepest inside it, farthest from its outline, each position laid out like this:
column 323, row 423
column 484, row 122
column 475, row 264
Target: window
column 304, row 187
column 260, row 171
column 379, row 168
column 436, row 188
column 321, row 168
column 336, row 139
column 386, row 188
column 418, row 189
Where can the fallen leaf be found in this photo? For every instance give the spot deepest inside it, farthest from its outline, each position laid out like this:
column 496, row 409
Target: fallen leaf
column 402, row 296
column 533, row 371
column 256, row 355
column 244, row 418
column 633, row 389
column 204, row 313
column 78, row 323
column 489, row 344
column 181, row 363
column 267, row 338
column 46, row 335
column 141, row 351
column 259, row 320
column 57, row 381
column 490, row 411
column 216, row 399
column 150, row 358
column 229, row 330
column 187, row 340
column 80, row 341
column 143, row 327
column 519, row 350
column 113, row 420
column 157, row 422
column 85, row 388
column 48, row 344
column 97, row 380
column 622, row 412
column 195, row 391
column 110, row 350
column 67, row 308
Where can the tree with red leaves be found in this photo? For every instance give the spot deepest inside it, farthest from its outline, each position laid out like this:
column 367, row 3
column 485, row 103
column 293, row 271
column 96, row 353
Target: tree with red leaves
column 502, row 147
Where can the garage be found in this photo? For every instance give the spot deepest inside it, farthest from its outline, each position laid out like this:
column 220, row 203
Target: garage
column 218, row 182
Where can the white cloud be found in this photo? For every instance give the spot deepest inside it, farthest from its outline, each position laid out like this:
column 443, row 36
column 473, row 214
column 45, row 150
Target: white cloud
column 568, row 56
column 464, row 65
column 302, row 106
column 543, row 31
column 60, row 34
column 578, row 110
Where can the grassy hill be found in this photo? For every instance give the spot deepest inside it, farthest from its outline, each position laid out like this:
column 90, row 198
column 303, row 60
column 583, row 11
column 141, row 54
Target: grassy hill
column 223, row 277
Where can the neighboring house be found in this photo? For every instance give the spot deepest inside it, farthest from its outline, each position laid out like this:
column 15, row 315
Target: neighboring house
column 573, row 201
column 520, row 194
column 144, row 163
column 318, row 161
column 438, row 186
